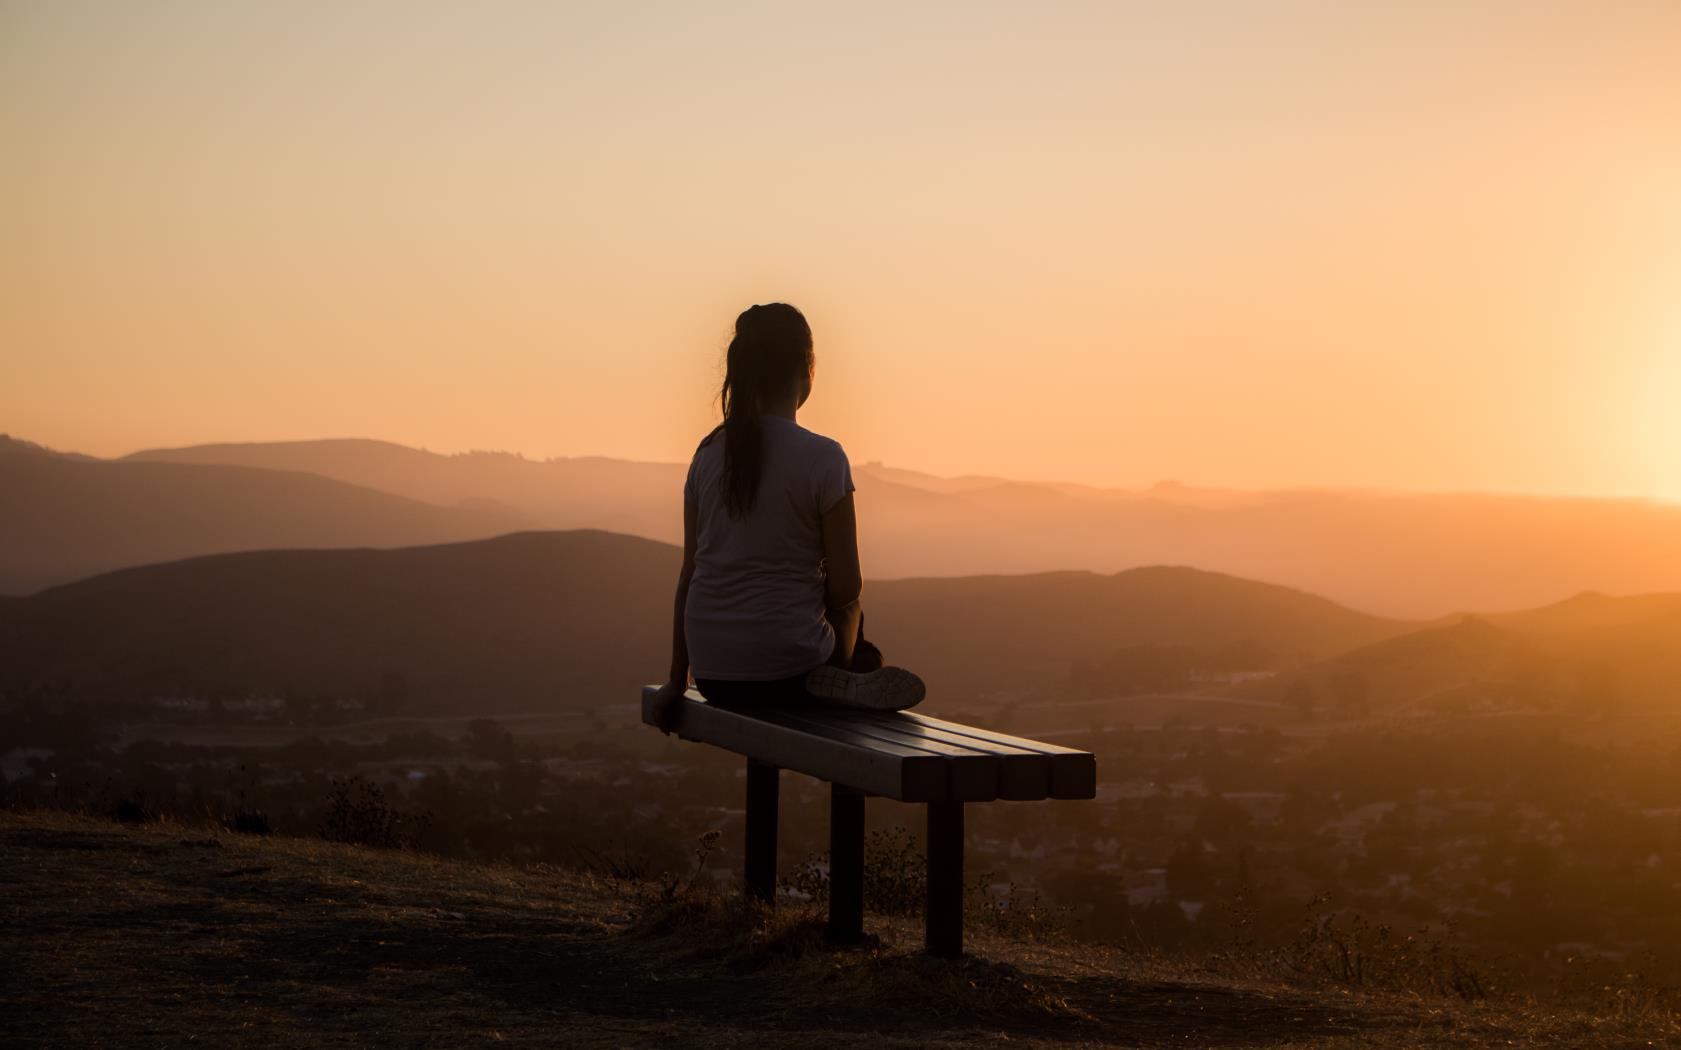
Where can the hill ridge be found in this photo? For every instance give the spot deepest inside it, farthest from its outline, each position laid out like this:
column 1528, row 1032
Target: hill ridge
column 577, row 618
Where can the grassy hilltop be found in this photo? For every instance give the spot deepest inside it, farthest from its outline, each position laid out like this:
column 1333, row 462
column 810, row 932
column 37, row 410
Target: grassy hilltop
column 163, row 934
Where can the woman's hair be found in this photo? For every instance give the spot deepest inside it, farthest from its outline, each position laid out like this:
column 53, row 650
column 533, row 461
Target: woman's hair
column 770, row 353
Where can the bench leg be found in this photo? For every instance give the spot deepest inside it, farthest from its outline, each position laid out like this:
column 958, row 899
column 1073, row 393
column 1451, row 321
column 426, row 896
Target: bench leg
column 945, row 879
column 846, row 865
column 760, row 866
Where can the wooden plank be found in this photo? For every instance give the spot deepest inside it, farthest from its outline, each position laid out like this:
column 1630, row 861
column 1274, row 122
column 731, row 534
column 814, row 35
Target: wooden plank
column 971, row 775
column 1040, row 746
column 934, row 729
column 838, row 755
column 1073, row 772
column 1023, row 776
column 834, row 729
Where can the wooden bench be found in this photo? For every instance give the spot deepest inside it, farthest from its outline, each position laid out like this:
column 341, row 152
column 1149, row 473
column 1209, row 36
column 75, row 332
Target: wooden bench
column 900, row 755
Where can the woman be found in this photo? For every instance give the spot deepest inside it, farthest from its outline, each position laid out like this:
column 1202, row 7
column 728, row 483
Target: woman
column 767, row 601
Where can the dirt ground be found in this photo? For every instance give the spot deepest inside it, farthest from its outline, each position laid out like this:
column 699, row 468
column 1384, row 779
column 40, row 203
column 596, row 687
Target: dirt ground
column 161, row 935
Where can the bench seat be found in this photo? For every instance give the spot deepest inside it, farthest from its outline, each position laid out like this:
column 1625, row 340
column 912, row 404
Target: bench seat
column 899, row 754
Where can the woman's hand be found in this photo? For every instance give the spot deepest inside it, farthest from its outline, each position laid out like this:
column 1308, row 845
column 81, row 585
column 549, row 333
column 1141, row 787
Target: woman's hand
column 666, row 704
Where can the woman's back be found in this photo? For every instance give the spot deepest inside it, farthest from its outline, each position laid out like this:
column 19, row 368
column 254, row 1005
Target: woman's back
column 755, row 606
column 767, row 604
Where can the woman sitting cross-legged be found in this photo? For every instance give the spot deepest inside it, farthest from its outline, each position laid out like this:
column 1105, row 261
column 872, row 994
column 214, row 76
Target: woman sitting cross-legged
column 767, row 607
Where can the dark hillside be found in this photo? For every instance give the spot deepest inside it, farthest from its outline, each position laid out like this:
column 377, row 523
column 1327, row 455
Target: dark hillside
column 526, row 621
column 1447, row 669
column 1592, row 655
column 987, row 632
column 542, row 621
column 1412, row 668
column 1633, row 662
column 164, row 935
column 1591, row 611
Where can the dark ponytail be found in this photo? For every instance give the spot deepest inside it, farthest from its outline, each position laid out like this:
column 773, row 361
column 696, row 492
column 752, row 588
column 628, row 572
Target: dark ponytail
column 766, row 359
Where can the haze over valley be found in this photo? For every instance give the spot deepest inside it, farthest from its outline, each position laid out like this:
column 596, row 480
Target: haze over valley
column 1407, row 555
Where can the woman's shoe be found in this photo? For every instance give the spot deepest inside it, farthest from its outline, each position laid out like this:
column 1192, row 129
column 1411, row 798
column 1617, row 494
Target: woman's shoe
column 866, row 657
column 886, row 689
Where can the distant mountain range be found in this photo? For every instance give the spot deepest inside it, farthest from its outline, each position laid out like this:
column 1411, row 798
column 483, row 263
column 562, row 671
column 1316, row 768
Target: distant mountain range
column 1406, row 555
column 1401, row 554
column 63, row 517
column 558, row 620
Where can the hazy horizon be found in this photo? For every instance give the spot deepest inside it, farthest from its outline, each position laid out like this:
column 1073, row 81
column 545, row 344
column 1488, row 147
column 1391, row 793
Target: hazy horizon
column 1392, row 552
column 878, row 464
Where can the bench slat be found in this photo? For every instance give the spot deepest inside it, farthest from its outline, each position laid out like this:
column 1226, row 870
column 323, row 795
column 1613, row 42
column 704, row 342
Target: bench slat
column 971, row 775
column 1023, row 776
column 838, row 756
column 834, row 730
column 1073, row 772
column 902, row 755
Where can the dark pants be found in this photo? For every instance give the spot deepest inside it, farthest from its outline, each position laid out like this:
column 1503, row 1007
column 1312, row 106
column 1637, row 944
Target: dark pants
column 865, row 657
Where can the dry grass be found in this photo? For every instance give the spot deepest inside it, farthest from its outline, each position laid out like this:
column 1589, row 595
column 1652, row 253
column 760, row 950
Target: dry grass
column 162, row 936
column 713, row 932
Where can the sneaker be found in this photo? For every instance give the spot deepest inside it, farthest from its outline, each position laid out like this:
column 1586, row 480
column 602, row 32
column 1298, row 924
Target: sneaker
column 887, row 689
column 866, row 657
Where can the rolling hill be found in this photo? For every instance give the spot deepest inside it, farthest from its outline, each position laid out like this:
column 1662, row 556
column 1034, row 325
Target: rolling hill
column 558, row 620
column 986, row 633
column 1592, row 656
column 1591, row 611
column 64, row 517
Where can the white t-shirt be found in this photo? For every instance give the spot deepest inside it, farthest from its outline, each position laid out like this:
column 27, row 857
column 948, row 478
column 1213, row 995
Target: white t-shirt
column 756, row 600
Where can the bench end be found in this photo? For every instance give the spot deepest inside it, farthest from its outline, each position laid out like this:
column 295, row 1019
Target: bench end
column 648, row 693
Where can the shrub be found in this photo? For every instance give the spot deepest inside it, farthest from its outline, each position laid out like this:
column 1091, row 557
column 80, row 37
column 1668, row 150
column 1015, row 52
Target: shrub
column 895, row 874
column 896, row 883
column 1355, row 953
column 249, row 822
column 1016, row 912
column 133, row 810
column 358, row 813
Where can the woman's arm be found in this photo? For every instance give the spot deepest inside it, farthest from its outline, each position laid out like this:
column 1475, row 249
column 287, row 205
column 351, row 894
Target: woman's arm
column 677, row 682
column 843, row 579
column 679, row 644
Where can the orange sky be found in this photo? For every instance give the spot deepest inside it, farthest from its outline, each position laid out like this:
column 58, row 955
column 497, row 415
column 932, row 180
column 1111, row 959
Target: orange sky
column 1250, row 244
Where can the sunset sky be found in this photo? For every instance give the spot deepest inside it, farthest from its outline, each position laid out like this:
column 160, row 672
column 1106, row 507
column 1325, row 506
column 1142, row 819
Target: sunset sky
column 1424, row 245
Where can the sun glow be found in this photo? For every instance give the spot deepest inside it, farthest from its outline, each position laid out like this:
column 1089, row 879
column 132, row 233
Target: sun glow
column 1654, row 418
